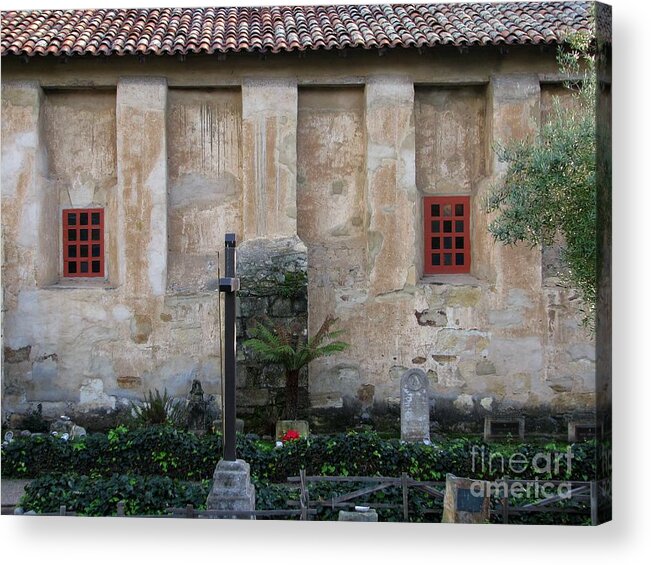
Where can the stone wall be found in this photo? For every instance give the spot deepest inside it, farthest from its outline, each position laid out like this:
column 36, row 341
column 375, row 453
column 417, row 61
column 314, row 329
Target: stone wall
column 273, row 279
column 318, row 167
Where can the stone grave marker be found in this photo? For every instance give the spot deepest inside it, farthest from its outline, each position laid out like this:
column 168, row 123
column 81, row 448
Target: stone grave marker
column 414, row 406
column 466, row 501
column 365, row 515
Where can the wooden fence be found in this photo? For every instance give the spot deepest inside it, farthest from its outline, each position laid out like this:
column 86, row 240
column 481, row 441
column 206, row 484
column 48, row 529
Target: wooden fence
column 580, row 497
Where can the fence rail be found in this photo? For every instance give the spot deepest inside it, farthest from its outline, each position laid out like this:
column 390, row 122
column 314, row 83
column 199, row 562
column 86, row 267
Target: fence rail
column 580, row 498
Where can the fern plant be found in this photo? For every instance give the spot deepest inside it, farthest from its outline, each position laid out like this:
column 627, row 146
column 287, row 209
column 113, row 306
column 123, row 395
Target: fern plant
column 280, row 346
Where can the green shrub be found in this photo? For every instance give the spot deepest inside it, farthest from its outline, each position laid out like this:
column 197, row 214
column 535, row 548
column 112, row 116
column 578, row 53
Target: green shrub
column 162, row 450
column 156, row 450
column 156, row 409
column 34, row 421
column 148, row 467
column 99, row 496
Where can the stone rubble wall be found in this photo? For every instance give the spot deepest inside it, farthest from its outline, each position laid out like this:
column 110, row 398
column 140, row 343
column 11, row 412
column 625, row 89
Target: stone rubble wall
column 273, row 277
column 318, row 168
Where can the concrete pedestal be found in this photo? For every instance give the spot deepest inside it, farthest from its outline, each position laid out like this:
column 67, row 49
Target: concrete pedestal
column 232, row 488
column 368, row 516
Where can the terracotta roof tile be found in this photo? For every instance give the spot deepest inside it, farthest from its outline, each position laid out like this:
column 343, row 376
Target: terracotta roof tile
column 169, row 31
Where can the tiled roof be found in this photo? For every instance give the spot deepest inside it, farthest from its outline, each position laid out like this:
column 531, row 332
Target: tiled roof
column 168, row 31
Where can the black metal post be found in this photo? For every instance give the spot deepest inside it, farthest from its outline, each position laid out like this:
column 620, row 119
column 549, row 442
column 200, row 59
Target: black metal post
column 229, row 285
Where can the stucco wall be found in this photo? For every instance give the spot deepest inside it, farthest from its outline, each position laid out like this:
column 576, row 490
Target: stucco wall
column 338, row 155
column 205, row 174
column 86, row 347
column 450, row 138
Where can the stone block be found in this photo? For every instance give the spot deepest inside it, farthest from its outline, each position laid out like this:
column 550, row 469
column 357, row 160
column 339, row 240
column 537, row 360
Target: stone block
column 365, row 394
column 369, row 515
column 487, row 403
column 466, row 501
column 464, row 403
column 580, row 431
column 141, row 328
column 503, row 428
column 485, row 367
column 463, row 296
column 232, row 488
column 92, row 395
column 562, row 383
column 445, row 358
column 282, row 308
column 17, row 355
column 505, row 318
column 327, row 400
column 436, row 318
column 517, row 355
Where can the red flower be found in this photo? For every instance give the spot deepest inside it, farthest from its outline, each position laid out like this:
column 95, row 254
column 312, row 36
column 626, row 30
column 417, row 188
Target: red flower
column 291, row 435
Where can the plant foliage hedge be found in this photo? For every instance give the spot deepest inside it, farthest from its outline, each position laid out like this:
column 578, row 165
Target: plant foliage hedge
column 99, row 496
column 165, row 451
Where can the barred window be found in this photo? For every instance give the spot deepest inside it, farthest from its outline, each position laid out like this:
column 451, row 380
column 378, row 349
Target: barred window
column 83, row 242
column 447, row 234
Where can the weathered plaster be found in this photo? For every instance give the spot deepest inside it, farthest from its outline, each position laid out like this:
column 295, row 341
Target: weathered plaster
column 205, row 178
column 142, row 183
column 338, row 155
column 269, row 157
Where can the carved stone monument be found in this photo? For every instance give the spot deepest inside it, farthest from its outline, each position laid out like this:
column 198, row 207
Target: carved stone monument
column 197, row 408
column 466, row 501
column 414, row 406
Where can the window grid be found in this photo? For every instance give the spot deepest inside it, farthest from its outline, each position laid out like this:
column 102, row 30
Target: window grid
column 83, row 242
column 447, row 234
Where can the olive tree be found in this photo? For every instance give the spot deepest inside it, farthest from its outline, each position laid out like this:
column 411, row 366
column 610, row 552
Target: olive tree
column 549, row 187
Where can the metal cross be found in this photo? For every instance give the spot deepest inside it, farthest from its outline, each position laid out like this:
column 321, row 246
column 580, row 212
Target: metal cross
column 229, row 285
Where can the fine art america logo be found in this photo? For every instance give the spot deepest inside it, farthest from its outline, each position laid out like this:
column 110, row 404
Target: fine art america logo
column 548, row 464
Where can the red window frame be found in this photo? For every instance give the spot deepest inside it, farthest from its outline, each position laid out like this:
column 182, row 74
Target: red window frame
column 83, row 242
column 447, row 234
